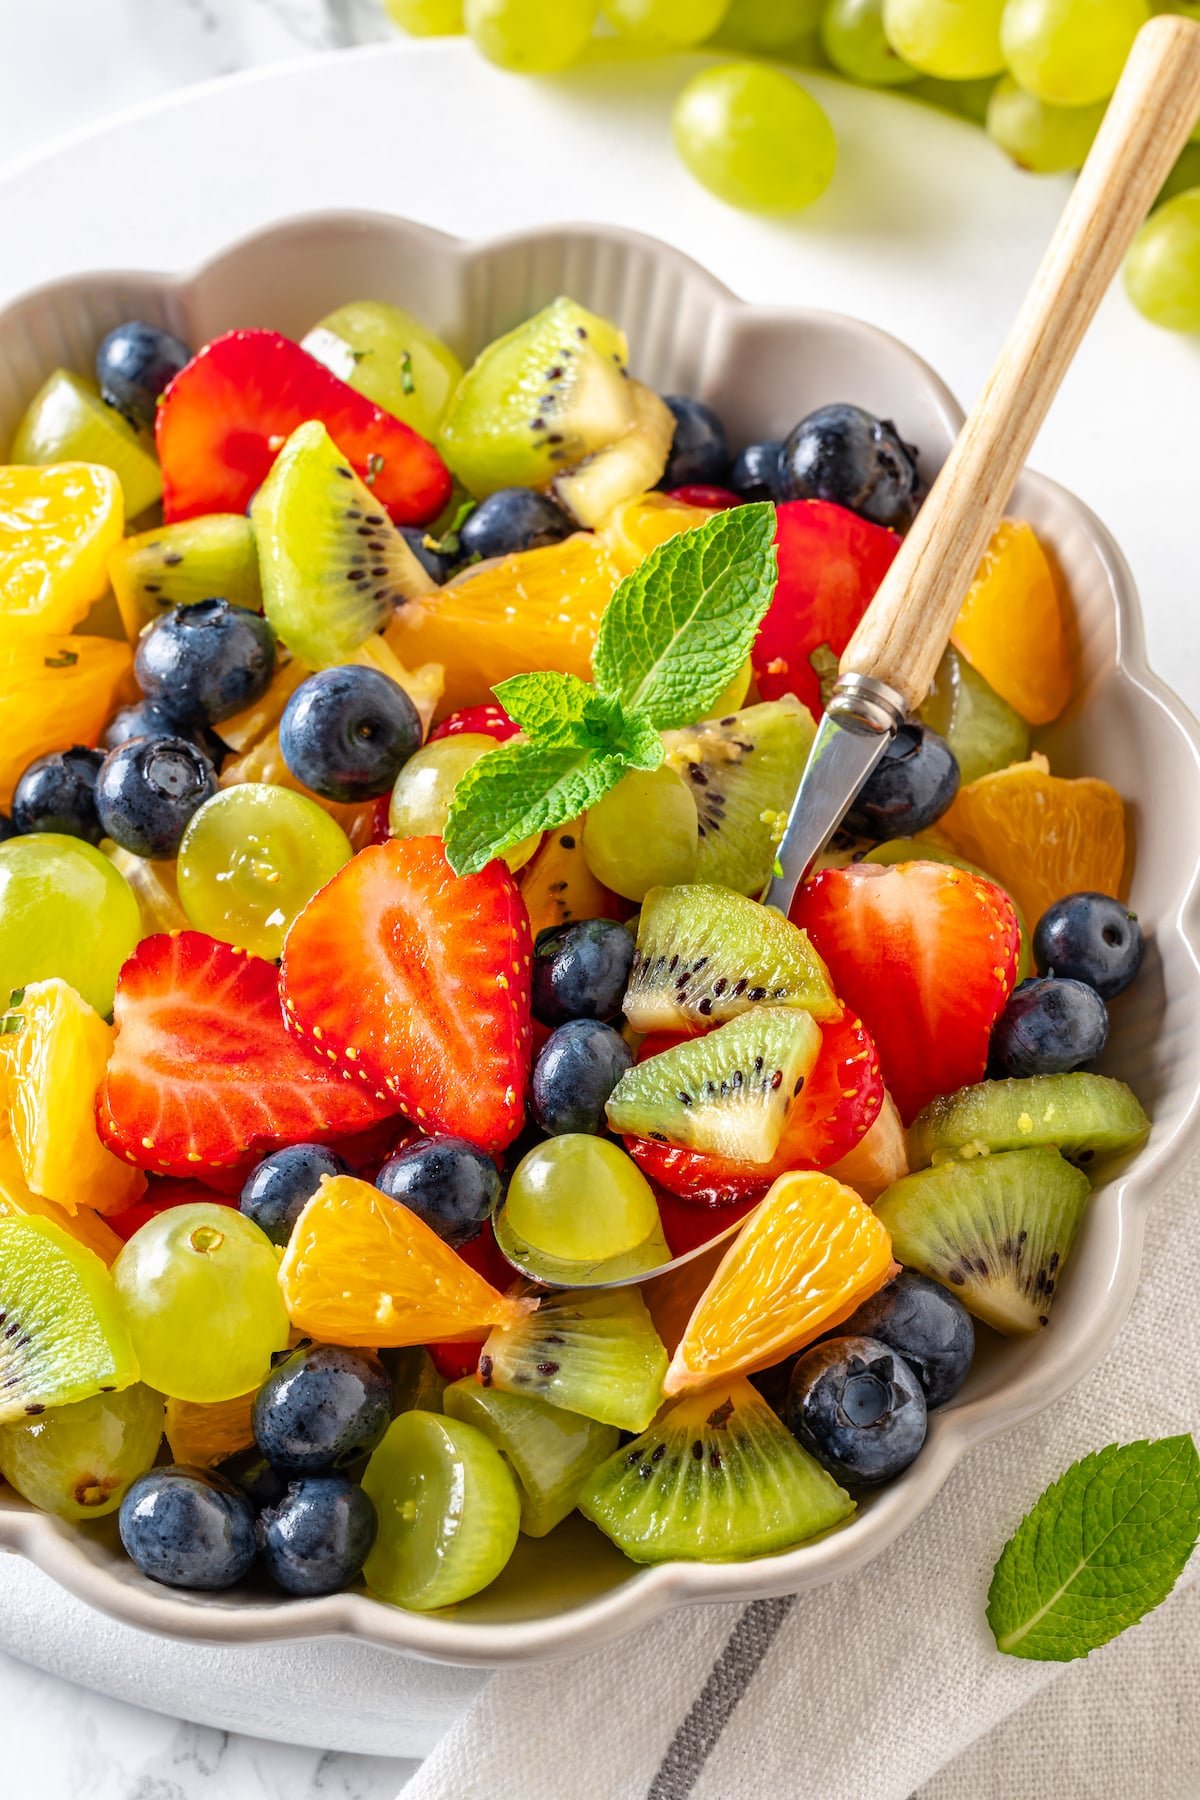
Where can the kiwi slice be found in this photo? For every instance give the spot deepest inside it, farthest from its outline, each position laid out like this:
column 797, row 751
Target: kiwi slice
column 996, row 1230
column 631, row 464
column 983, row 730
column 67, row 421
column 550, row 1451
column 63, row 1335
column 1083, row 1116
column 743, row 772
column 728, row 1093
column 919, row 849
column 198, row 559
column 538, row 400
column 333, row 566
column 592, row 1353
column 716, row 1479
column 705, row 954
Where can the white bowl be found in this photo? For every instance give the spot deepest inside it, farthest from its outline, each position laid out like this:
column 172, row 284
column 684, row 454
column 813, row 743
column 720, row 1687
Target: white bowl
column 762, row 368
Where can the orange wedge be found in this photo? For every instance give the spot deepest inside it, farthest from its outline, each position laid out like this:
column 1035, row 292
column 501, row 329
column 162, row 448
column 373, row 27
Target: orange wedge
column 557, row 886
column 57, row 527
column 1011, row 627
column 639, row 526
column 18, row 1201
column 56, row 691
column 201, row 1435
column 809, row 1253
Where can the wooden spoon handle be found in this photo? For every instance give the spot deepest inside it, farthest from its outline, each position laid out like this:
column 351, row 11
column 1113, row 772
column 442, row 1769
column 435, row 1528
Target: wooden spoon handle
column 902, row 636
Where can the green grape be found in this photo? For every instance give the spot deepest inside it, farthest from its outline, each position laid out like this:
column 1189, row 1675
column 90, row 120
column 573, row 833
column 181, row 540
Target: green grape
column 1162, row 270
column 670, row 23
column 1045, row 139
column 580, row 1198
column 76, row 1461
column 769, row 24
column 1185, row 175
column 642, row 834
column 200, row 1288
column 251, row 858
column 955, row 39
column 754, row 137
column 449, row 1512
column 984, row 732
column 531, row 37
column 425, row 787
column 965, row 99
column 1070, row 52
column 426, row 18
column 67, row 421
column 386, row 354
column 854, row 39
column 64, row 910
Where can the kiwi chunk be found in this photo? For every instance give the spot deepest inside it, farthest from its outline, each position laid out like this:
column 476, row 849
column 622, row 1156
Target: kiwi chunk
column 62, row 1333
column 728, row 1093
column 551, row 1451
column 743, row 772
column 198, row 559
column 538, row 400
column 631, row 464
column 705, row 954
column 592, row 1353
column 996, row 1231
column 1083, row 1116
column 717, row 1478
column 67, row 421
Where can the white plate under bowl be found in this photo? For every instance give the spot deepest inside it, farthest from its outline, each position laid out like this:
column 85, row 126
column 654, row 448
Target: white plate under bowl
column 762, row 369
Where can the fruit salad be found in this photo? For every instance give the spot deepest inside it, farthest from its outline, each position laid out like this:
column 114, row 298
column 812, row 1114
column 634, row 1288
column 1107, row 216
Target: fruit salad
column 414, row 1128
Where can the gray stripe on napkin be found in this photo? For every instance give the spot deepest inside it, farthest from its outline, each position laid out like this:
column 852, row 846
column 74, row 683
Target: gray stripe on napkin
column 714, row 1705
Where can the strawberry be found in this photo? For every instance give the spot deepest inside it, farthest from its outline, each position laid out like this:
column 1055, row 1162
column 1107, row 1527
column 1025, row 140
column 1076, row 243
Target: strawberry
column 227, row 414
column 830, row 563
column 203, row 1073
column 717, row 499
column 461, row 1356
column 489, row 719
column 159, row 1197
column 927, row 954
column 416, row 980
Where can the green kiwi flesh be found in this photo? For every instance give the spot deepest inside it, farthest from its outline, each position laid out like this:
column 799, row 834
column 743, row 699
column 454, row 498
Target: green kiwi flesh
column 1082, row 1115
column 630, row 465
column 705, row 954
column 550, row 1451
column 717, row 1478
column 592, row 1353
column 177, row 565
column 728, row 1093
column 67, row 421
column 902, row 850
column 62, row 1333
column 996, row 1231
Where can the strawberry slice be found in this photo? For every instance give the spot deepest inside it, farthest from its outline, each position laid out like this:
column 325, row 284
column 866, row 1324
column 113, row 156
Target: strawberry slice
column 927, row 954
column 227, row 414
column 489, row 719
column 159, row 1197
column 416, row 980
column 203, row 1073
column 460, row 1357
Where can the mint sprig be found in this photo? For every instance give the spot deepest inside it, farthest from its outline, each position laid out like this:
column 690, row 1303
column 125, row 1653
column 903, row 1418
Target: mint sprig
column 1101, row 1547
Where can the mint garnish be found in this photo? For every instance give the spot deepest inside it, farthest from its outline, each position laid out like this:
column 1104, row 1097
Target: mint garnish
column 1102, row 1547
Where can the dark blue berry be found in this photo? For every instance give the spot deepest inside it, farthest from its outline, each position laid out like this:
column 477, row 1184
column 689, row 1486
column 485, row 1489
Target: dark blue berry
column 250, row 1471
column 188, row 1528
column 512, row 519
column 205, row 662
column 699, row 450
column 1091, row 938
column 346, row 733
column 7, row 828
column 278, row 1189
column 755, row 471
column 450, row 1185
column 317, row 1537
column 58, row 793
column 149, row 718
column 844, row 454
column 580, row 1065
column 581, row 971
column 134, row 364
column 910, row 786
column 435, row 563
column 858, row 1408
column 148, row 790
column 928, row 1326
column 321, row 1408
column 1049, row 1027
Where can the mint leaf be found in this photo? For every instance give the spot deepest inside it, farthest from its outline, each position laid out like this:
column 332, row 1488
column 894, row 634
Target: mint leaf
column 679, row 628
column 521, row 788
column 561, row 709
column 1102, row 1547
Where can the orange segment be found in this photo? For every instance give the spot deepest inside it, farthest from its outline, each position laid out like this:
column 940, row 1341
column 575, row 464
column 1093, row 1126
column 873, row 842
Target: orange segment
column 809, row 1253
column 1011, row 627
column 55, row 691
column 362, row 1269
column 557, row 885
column 203, row 1435
column 18, row 1201
column 57, row 528
column 1042, row 836
column 640, row 526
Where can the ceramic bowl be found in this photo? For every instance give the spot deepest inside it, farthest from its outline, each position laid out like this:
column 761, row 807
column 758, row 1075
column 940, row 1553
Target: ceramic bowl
column 762, row 369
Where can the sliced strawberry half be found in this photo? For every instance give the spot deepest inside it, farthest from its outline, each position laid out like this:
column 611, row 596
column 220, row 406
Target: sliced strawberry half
column 227, row 414
column 416, row 981
column 203, row 1073
column 699, row 493
column 490, row 720
column 928, row 955
column 161, row 1196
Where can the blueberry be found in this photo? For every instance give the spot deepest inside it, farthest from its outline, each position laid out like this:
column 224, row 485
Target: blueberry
column 279, row 1188
column 755, row 471
column 581, row 971
column 149, row 718
column 188, row 1528
column 322, row 1407
column 134, row 364
column 250, row 1471
column 699, row 449
column 856, row 1406
column 58, row 793
column 147, row 791
column 434, row 562
column 7, row 828
column 580, row 1065
column 844, row 454
column 1049, row 1027
column 1091, row 938
column 205, row 662
column 512, row 519
column 910, row 786
column 318, row 1536
column 346, row 733
column 929, row 1327
column 450, row 1185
